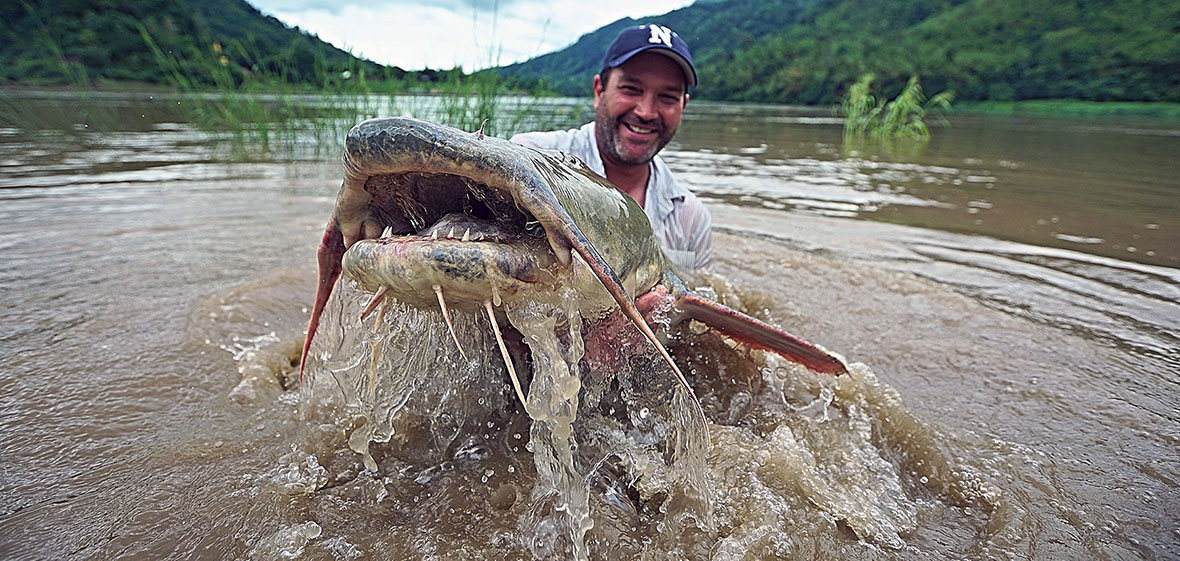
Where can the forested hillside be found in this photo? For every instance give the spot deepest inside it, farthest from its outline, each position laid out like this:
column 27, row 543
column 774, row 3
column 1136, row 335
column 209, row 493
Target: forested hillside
column 784, row 51
column 53, row 41
column 810, row 51
column 714, row 29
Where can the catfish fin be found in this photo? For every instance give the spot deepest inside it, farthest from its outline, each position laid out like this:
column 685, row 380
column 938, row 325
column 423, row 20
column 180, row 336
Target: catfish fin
column 329, row 254
column 755, row 333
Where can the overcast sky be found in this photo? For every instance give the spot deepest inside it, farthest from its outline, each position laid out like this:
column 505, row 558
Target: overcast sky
column 473, row 34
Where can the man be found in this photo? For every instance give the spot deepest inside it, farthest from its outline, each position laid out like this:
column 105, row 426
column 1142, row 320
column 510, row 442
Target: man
column 639, row 97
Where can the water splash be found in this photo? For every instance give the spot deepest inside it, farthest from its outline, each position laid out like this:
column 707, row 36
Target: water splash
column 400, row 374
column 790, row 460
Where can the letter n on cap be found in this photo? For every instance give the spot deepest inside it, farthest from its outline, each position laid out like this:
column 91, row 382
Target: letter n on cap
column 660, row 34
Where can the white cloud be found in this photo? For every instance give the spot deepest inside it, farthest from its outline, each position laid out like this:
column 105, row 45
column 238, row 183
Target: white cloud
column 452, row 33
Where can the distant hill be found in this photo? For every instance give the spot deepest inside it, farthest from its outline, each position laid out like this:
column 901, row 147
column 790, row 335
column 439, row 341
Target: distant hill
column 103, row 41
column 809, row 51
column 781, row 51
column 713, row 29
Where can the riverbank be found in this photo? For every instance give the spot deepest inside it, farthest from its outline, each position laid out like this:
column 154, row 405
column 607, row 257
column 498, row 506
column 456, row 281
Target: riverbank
column 1074, row 108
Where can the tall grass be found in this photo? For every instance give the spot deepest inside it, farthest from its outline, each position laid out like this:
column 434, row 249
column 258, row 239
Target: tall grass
column 268, row 113
column 264, row 110
column 903, row 117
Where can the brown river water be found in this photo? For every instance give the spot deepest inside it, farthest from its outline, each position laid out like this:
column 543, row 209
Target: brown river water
column 1006, row 296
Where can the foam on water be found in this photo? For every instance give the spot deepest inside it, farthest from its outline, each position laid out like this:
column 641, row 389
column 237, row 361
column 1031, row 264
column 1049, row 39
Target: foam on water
column 790, row 459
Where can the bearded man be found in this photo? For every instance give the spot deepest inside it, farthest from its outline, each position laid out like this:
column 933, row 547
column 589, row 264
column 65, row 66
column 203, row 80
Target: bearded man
column 639, row 99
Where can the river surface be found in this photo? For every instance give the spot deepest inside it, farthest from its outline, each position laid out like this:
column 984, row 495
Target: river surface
column 1006, row 296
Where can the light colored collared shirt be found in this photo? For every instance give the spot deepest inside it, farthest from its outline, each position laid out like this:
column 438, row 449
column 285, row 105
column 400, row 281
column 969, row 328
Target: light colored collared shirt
column 681, row 223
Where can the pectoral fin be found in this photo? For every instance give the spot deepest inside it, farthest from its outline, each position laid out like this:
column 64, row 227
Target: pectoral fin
column 330, row 252
column 757, row 334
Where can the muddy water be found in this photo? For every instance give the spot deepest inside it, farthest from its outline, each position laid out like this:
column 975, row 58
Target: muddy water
column 1009, row 294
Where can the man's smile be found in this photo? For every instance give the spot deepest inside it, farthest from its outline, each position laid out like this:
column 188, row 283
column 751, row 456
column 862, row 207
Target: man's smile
column 638, row 129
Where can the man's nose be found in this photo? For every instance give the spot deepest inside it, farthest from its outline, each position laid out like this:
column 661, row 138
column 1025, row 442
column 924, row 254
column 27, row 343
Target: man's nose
column 645, row 108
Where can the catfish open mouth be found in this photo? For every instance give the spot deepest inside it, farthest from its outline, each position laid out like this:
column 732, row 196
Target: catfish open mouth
column 417, row 202
column 454, row 233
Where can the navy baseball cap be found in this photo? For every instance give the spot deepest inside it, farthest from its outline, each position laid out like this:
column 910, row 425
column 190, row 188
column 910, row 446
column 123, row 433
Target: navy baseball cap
column 635, row 40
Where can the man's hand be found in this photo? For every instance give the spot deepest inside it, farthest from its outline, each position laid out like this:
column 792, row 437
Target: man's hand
column 617, row 338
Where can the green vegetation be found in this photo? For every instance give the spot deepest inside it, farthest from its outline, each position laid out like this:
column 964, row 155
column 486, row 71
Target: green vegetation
column 902, row 118
column 235, row 72
column 103, row 41
column 810, row 51
column 252, row 70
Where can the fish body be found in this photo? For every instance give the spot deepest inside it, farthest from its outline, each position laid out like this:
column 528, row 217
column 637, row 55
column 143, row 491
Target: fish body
column 427, row 211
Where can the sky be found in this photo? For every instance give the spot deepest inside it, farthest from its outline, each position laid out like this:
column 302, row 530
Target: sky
column 474, row 34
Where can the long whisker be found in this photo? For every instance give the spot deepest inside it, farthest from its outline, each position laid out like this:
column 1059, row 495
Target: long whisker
column 447, row 316
column 376, row 354
column 374, row 302
column 504, row 351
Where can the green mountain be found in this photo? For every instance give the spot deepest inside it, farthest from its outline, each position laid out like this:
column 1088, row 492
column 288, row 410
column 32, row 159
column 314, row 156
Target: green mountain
column 784, row 51
column 55, row 41
column 713, row 29
column 810, row 51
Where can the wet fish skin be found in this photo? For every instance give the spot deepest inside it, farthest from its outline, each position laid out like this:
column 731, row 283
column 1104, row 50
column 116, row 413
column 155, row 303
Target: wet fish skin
column 401, row 173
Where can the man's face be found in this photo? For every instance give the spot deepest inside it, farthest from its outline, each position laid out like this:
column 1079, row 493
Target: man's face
column 638, row 108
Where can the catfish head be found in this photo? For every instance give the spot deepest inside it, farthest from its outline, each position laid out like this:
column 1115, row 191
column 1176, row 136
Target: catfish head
column 424, row 206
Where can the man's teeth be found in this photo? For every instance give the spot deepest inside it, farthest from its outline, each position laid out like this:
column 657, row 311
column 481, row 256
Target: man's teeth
column 638, row 130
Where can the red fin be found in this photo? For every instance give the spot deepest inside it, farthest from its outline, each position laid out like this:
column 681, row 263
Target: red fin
column 329, row 254
column 758, row 334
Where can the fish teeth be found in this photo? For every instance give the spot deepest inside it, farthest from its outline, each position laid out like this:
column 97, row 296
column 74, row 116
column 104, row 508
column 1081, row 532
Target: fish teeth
column 451, row 234
column 467, row 235
column 434, row 234
column 388, row 232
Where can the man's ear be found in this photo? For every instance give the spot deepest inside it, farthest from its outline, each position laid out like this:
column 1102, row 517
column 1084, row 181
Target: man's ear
column 685, row 103
column 599, row 88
